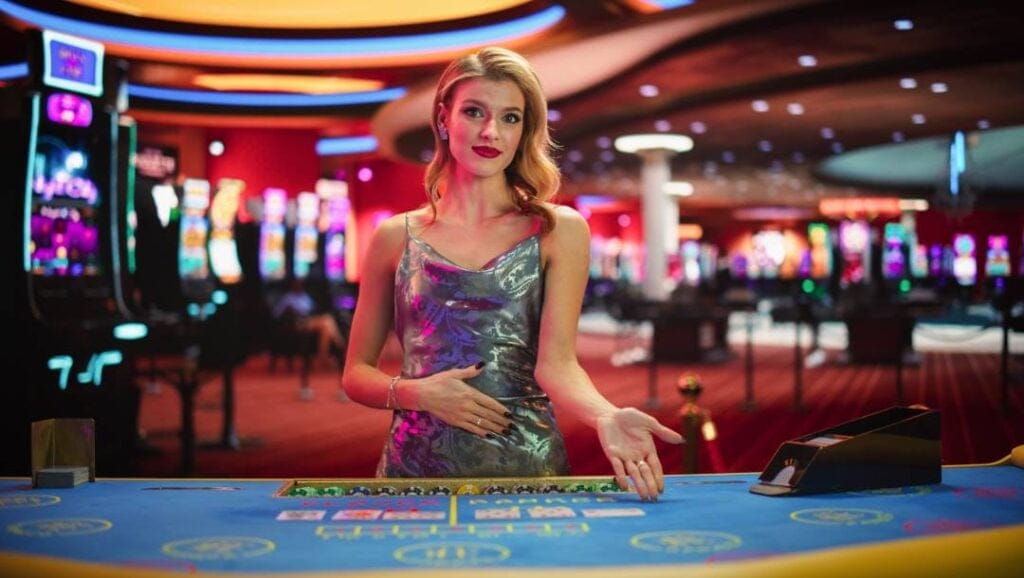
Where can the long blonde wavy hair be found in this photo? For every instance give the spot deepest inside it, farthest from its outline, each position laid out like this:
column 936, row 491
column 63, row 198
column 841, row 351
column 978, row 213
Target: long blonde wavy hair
column 533, row 175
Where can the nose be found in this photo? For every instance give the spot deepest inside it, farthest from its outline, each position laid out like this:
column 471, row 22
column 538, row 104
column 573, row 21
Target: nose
column 489, row 130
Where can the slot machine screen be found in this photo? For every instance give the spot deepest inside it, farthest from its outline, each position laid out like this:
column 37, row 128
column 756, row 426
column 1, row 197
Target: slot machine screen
column 894, row 261
column 997, row 259
column 66, row 209
column 820, row 240
column 965, row 268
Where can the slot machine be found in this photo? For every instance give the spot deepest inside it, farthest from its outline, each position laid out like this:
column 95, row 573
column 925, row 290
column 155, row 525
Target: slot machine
column 965, row 263
column 75, row 334
column 307, row 235
column 855, row 250
column 334, row 222
column 273, row 231
column 895, row 266
column 223, row 247
column 194, row 230
column 997, row 263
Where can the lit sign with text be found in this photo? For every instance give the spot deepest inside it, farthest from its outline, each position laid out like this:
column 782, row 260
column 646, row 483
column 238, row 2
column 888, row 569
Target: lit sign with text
column 72, row 63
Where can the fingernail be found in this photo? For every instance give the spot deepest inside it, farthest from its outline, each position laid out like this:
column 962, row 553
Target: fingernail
column 492, row 435
column 512, row 426
column 481, row 365
column 508, row 414
column 507, row 430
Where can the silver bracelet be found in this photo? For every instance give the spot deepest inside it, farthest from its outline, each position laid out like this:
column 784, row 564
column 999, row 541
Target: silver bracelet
column 392, row 400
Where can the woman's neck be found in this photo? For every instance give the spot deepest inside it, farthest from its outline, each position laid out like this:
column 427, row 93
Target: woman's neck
column 475, row 200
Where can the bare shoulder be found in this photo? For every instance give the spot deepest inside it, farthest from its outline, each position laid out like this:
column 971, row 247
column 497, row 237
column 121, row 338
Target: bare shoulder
column 389, row 239
column 569, row 238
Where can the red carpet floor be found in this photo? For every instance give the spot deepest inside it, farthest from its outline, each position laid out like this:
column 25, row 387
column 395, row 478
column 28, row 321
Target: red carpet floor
column 284, row 436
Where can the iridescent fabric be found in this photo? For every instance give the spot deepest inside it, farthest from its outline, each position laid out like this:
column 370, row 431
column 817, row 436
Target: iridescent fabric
column 448, row 317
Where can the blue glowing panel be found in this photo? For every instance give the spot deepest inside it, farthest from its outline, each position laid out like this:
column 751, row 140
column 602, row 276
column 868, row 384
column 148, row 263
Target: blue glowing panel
column 72, row 63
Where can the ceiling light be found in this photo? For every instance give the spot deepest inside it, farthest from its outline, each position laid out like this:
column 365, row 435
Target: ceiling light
column 728, row 157
column 216, row 148
column 918, row 118
column 575, row 156
column 903, row 24
column 765, row 146
column 662, row 125
column 603, row 142
column 344, row 145
column 807, row 60
column 984, row 124
column 697, row 127
column 919, row 205
column 939, row 87
column 554, row 115
column 262, row 99
column 648, row 90
column 638, row 142
column 795, row 108
column 908, row 83
column 837, row 147
column 759, row 106
column 607, row 156
column 827, row 133
column 898, row 136
column 297, row 83
column 678, row 188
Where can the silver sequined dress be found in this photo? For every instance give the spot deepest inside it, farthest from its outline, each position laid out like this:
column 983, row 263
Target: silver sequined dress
column 446, row 317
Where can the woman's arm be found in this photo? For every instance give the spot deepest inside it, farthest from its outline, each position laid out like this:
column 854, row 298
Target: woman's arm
column 625, row 433
column 372, row 321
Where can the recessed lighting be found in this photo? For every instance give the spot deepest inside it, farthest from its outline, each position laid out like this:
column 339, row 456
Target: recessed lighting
column 662, row 125
column 837, row 147
column 807, row 60
column 939, row 87
column 827, row 133
column 697, row 127
column 554, row 115
column 604, row 142
column 364, row 174
column 216, row 148
column 765, row 146
column 678, row 188
column 898, row 136
column 648, row 90
column 984, row 124
column 608, row 156
column 777, row 166
column 638, row 142
column 918, row 118
column 624, row 220
column 759, row 106
column 908, row 83
column 795, row 108
column 575, row 155
column 903, row 24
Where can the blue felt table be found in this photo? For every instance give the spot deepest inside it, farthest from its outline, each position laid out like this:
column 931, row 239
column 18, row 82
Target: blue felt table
column 154, row 527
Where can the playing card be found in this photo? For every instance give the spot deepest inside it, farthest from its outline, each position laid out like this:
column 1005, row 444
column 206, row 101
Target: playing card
column 510, row 513
column 301, row 515
column 362, row 515
column 612, row 512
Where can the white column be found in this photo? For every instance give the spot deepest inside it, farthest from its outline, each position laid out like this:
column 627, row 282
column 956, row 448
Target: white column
column 661, row 218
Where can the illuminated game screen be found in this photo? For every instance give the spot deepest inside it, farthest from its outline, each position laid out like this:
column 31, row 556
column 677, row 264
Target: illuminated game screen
column 65, row 221
column 965, row 268
column 894, row 260
column 997, row 259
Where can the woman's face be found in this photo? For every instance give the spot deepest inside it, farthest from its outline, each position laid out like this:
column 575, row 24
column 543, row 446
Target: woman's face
column 485, row 125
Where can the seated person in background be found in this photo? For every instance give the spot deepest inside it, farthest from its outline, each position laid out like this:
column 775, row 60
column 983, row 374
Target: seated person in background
column 300, row 304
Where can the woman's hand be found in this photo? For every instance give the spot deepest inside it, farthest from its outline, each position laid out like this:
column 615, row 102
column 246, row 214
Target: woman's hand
column 626, row 436
column 448, row 397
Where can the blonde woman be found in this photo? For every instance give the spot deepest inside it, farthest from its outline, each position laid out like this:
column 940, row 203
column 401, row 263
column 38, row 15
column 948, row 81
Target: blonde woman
column 483, row 286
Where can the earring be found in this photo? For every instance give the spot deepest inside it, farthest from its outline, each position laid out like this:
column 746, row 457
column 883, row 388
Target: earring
column 442, row 131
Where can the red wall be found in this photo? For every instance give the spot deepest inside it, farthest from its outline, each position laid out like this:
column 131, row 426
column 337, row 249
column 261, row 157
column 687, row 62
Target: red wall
column 283, row 158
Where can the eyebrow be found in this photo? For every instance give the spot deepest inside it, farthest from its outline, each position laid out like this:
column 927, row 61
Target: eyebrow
column 483, row 104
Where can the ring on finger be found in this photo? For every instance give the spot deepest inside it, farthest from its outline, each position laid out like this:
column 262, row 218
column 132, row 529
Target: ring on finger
column 641, row 463
column 479, row 421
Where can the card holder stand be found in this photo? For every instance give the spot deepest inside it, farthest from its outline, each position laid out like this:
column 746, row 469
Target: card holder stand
column 63, row 443
column 896, row 447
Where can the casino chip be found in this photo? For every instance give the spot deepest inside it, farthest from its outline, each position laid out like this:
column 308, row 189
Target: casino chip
column 467, row 490
column 359, row 491
column 387, row 491
column 439, row 491
column 496, row 489
column 413, row 491
column 523, row 489
column 550, row 489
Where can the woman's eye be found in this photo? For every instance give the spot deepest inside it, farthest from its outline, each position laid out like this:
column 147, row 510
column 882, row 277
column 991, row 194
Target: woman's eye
column 512, row 118
column 473, row 112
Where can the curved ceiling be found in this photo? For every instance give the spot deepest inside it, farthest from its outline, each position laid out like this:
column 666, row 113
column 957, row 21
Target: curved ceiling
column 768, row 89
column 315, row 14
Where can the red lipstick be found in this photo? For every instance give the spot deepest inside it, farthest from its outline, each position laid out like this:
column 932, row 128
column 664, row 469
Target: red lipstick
column 486, row 152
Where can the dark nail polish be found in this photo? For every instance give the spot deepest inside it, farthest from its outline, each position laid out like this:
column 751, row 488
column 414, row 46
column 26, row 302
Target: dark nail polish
column 492, row 435
column 508, row 414
column 512, row 426
column 507, row 431
column 481, row 365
